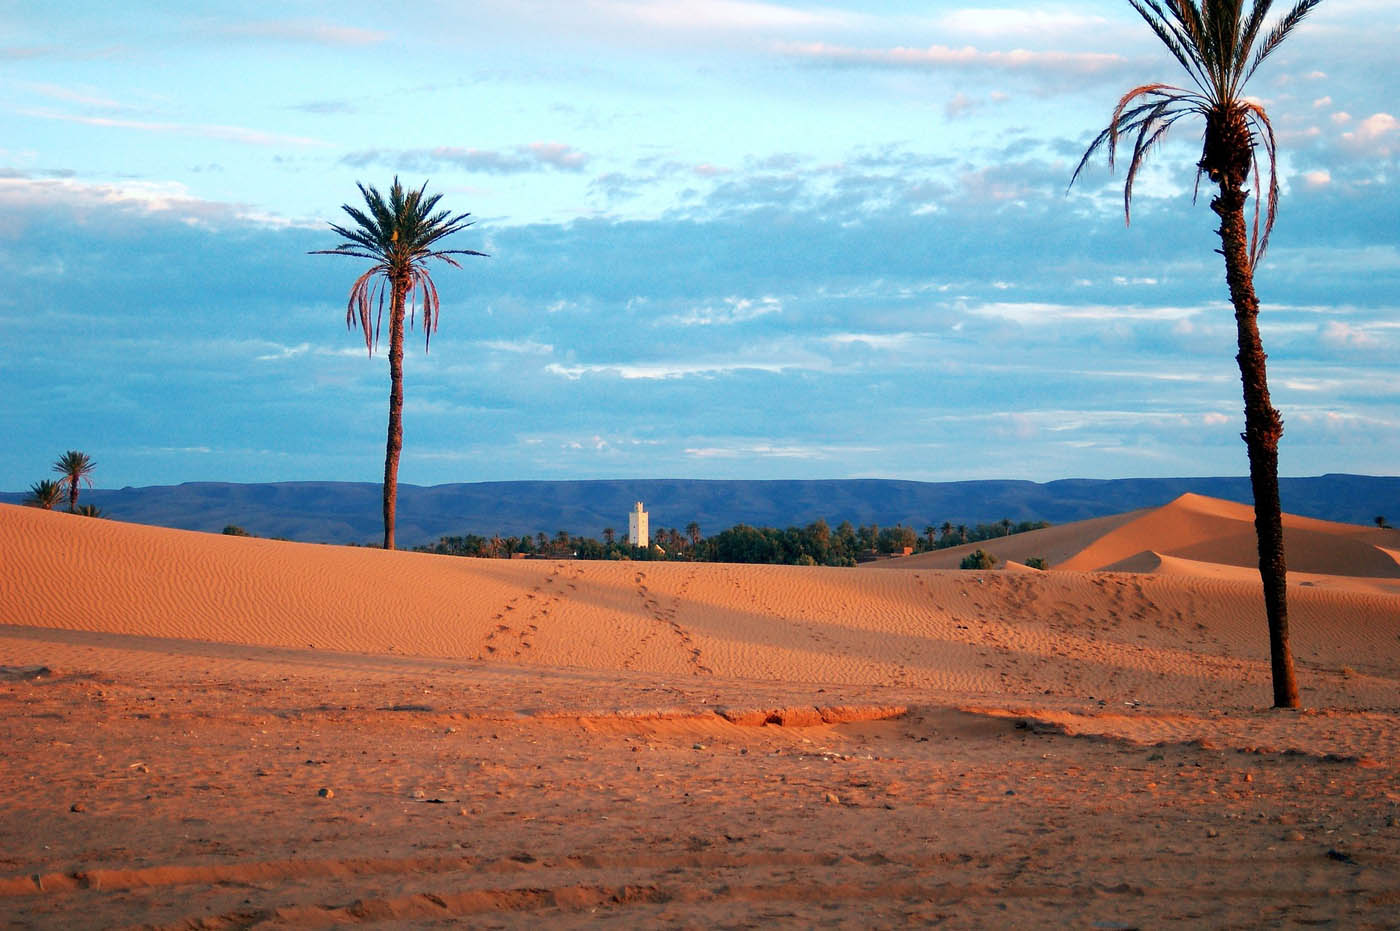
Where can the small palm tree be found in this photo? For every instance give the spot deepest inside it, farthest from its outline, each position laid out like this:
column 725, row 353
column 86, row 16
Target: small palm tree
column 609, row 534
column 45, row 493
column 399, row 235
column 692, row 530
column 1220, row 46
column 74, row 468
column 89, row 510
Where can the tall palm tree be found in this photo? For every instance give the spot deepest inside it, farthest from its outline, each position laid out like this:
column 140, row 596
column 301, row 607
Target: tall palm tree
column 74, row 468
column 46, row 493
column 399, row 235
column 1220, row 46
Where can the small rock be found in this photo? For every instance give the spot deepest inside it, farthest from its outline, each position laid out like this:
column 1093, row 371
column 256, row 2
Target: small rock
column 77, row 806
column 324, row 792
column 1212, row 832
column 1247, row 777
column 1340, row 856
column 833, row 799
column 1294, row 836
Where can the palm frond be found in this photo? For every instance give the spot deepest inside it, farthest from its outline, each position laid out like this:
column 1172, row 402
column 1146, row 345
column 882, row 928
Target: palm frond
column 1127, row 119
column 1257, row 14
column 1148, row 139
column 1258, row 244
column 1173, row 37
column 397, row 231
column 1280, row 32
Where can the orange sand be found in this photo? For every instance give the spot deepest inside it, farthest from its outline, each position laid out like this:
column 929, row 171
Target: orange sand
column 522, row 743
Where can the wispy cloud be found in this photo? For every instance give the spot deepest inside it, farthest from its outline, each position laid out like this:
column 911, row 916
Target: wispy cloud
column 207, row 131
column 727, row 15
column 85, row 97
column 304, row 30
column 662, row 370
column 1004, row 23
column 535, row 156
column 946, row 58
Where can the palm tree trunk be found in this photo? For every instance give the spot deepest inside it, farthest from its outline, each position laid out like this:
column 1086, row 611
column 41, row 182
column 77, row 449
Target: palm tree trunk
column 395, row 441
column 1263, row 427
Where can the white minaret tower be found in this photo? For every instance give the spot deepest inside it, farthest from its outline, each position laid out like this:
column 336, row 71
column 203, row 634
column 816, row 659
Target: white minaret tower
column 638, row 534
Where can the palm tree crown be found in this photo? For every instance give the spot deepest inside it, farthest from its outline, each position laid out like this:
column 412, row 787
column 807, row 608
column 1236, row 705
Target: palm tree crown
column 74, row 468
column 1215, row 42
column 397, row 235
column 46, row 493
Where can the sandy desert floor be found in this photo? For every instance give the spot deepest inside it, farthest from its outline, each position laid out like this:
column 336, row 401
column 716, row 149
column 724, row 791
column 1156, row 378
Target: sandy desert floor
column 212, row 732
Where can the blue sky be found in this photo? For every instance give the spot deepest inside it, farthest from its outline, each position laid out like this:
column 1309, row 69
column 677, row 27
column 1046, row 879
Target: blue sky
column 729, row 239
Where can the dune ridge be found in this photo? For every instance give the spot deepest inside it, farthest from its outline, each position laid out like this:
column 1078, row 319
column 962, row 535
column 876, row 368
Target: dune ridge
column 1151, row 635
column 1191, row 535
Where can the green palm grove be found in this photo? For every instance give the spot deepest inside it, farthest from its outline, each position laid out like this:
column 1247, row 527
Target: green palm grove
column 1220, row 45
column 399, row 236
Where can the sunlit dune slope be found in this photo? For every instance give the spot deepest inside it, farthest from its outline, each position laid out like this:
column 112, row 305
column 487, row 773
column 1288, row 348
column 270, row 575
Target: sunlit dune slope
column 1169, row 637
column 1193, row 532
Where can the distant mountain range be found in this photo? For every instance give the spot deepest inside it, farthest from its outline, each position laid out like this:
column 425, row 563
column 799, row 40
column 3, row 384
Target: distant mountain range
column 349, row 512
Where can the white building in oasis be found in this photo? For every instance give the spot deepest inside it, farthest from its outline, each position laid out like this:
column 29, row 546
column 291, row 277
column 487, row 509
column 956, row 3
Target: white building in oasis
column 638, row 533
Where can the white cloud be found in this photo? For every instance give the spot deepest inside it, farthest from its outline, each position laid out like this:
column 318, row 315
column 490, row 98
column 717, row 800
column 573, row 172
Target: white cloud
column 167, row 197
column 942, row 57
column 735, row 310
column 321, row 33
column 1000, row 23
column 1035, row 312
column 720, row 15
column 762, row 451
column 86, row 97
column 1317, row 179
column 1374, row 135
column 1375, row 126
column 1341, row 335
column 532, row 156
column 660, row 370
column 522, row 346
column 202, row 130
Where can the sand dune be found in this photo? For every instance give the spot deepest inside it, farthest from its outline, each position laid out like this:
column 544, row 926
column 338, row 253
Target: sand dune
column 211, row 731
column 1201, row 532
column 1024, row 632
